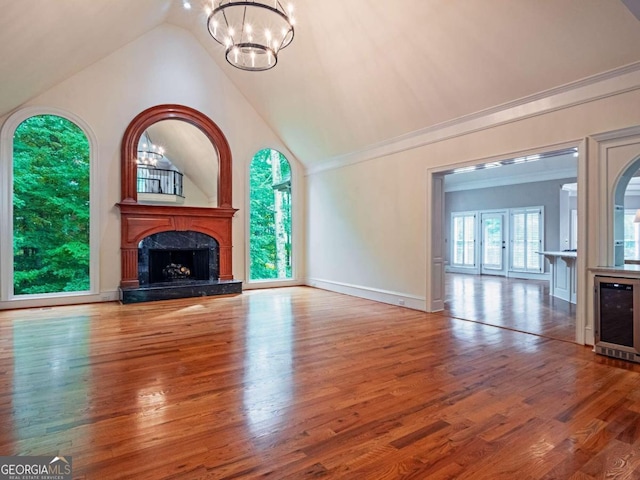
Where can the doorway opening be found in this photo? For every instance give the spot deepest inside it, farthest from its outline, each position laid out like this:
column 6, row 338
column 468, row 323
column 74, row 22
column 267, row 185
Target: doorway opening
column 498, row 227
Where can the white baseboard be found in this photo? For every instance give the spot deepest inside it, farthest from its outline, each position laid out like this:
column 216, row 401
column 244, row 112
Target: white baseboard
column 255, row 284
column 465, row 270
column 105, row 296
column 384, row 296
column 530, row 276
column 521, row 275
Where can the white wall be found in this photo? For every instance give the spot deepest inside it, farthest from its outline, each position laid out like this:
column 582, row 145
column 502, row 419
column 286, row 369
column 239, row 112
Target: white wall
column 166, row 65
column 368, row 222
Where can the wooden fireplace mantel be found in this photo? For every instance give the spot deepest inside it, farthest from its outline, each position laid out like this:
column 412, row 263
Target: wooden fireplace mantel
column 139, row 221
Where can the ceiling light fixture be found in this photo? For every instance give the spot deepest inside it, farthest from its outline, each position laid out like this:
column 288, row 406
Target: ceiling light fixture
column 252, row 32
column 149, row 154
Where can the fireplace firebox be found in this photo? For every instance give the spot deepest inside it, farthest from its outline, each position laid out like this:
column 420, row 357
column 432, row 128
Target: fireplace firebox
column 174, row 265
column 177, row 257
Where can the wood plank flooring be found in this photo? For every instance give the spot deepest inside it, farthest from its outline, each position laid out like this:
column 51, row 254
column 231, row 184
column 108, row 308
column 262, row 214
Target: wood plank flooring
column 523, row 305
column 300, row 383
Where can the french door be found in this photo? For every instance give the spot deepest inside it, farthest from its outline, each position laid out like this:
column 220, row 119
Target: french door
column 493, row 243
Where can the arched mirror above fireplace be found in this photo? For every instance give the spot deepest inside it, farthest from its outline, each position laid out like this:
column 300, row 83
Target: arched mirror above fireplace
column 153, row 123
column 177, row 164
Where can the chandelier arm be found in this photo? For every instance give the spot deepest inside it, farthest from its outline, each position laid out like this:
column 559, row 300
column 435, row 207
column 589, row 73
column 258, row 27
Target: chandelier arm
column 282, row 42
column 244, row 18
column 224, row 15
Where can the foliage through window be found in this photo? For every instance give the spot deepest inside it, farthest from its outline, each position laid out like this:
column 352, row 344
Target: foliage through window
column 270, row 216
column 51, row 180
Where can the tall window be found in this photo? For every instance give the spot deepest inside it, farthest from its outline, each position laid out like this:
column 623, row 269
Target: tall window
column 631, row 236
column 270, row 216
column 51, row 179
column 526, row 239
column 464, row 239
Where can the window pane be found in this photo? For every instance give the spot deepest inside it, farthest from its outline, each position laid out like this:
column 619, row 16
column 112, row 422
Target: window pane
column 526, row 240
column 533, row 241
column 492, row 238
column 50, row 206
column 458, row 238
column 463, row 248
column 270, row 216
column 469, row 240
column 518, row 241
column 630, row 235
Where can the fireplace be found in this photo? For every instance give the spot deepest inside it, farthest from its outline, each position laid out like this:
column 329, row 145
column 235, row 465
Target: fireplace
column 177, row 257
column 179, row 236
column 175, row 267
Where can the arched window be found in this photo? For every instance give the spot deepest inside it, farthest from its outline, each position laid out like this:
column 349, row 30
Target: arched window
column 49, row 222
column 270, row 216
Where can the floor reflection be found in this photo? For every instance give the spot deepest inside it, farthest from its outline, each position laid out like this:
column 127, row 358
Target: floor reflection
column 50, row 376
column 268, row 361
column 523, row 305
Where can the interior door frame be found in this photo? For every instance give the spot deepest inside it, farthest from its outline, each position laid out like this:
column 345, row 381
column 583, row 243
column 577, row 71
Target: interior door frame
column 435, row 240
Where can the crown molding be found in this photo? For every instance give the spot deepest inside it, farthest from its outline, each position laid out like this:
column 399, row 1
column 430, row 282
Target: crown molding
column 602, row 85
column 616, row 134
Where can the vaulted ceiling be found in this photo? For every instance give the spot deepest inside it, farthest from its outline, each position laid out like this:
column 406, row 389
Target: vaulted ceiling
column 359, row 72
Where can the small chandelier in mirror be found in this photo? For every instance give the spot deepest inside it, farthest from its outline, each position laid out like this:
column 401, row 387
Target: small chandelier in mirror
column 252, row 32
column 148, row 154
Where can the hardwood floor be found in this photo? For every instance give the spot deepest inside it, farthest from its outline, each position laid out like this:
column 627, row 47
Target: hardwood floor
column 301, row 383
column 523, row 305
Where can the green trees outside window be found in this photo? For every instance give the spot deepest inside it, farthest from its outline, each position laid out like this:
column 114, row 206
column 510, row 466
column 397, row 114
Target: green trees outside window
column 270, row 216
column 50, row 206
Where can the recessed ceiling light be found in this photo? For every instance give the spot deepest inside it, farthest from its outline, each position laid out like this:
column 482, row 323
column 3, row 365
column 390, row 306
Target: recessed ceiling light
column 465, row 169
column 492, row 165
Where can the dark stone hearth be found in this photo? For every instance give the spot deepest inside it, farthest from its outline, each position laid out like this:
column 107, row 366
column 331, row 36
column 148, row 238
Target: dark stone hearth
column 179, row 289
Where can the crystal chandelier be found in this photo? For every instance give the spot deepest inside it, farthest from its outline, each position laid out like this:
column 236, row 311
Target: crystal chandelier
column 252, row 32
column 148, row 153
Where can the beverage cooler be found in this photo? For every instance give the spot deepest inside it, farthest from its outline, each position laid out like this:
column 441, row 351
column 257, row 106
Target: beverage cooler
column 617, row 327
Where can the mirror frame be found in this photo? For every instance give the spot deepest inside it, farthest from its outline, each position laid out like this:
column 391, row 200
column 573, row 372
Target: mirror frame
column 146, row 118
